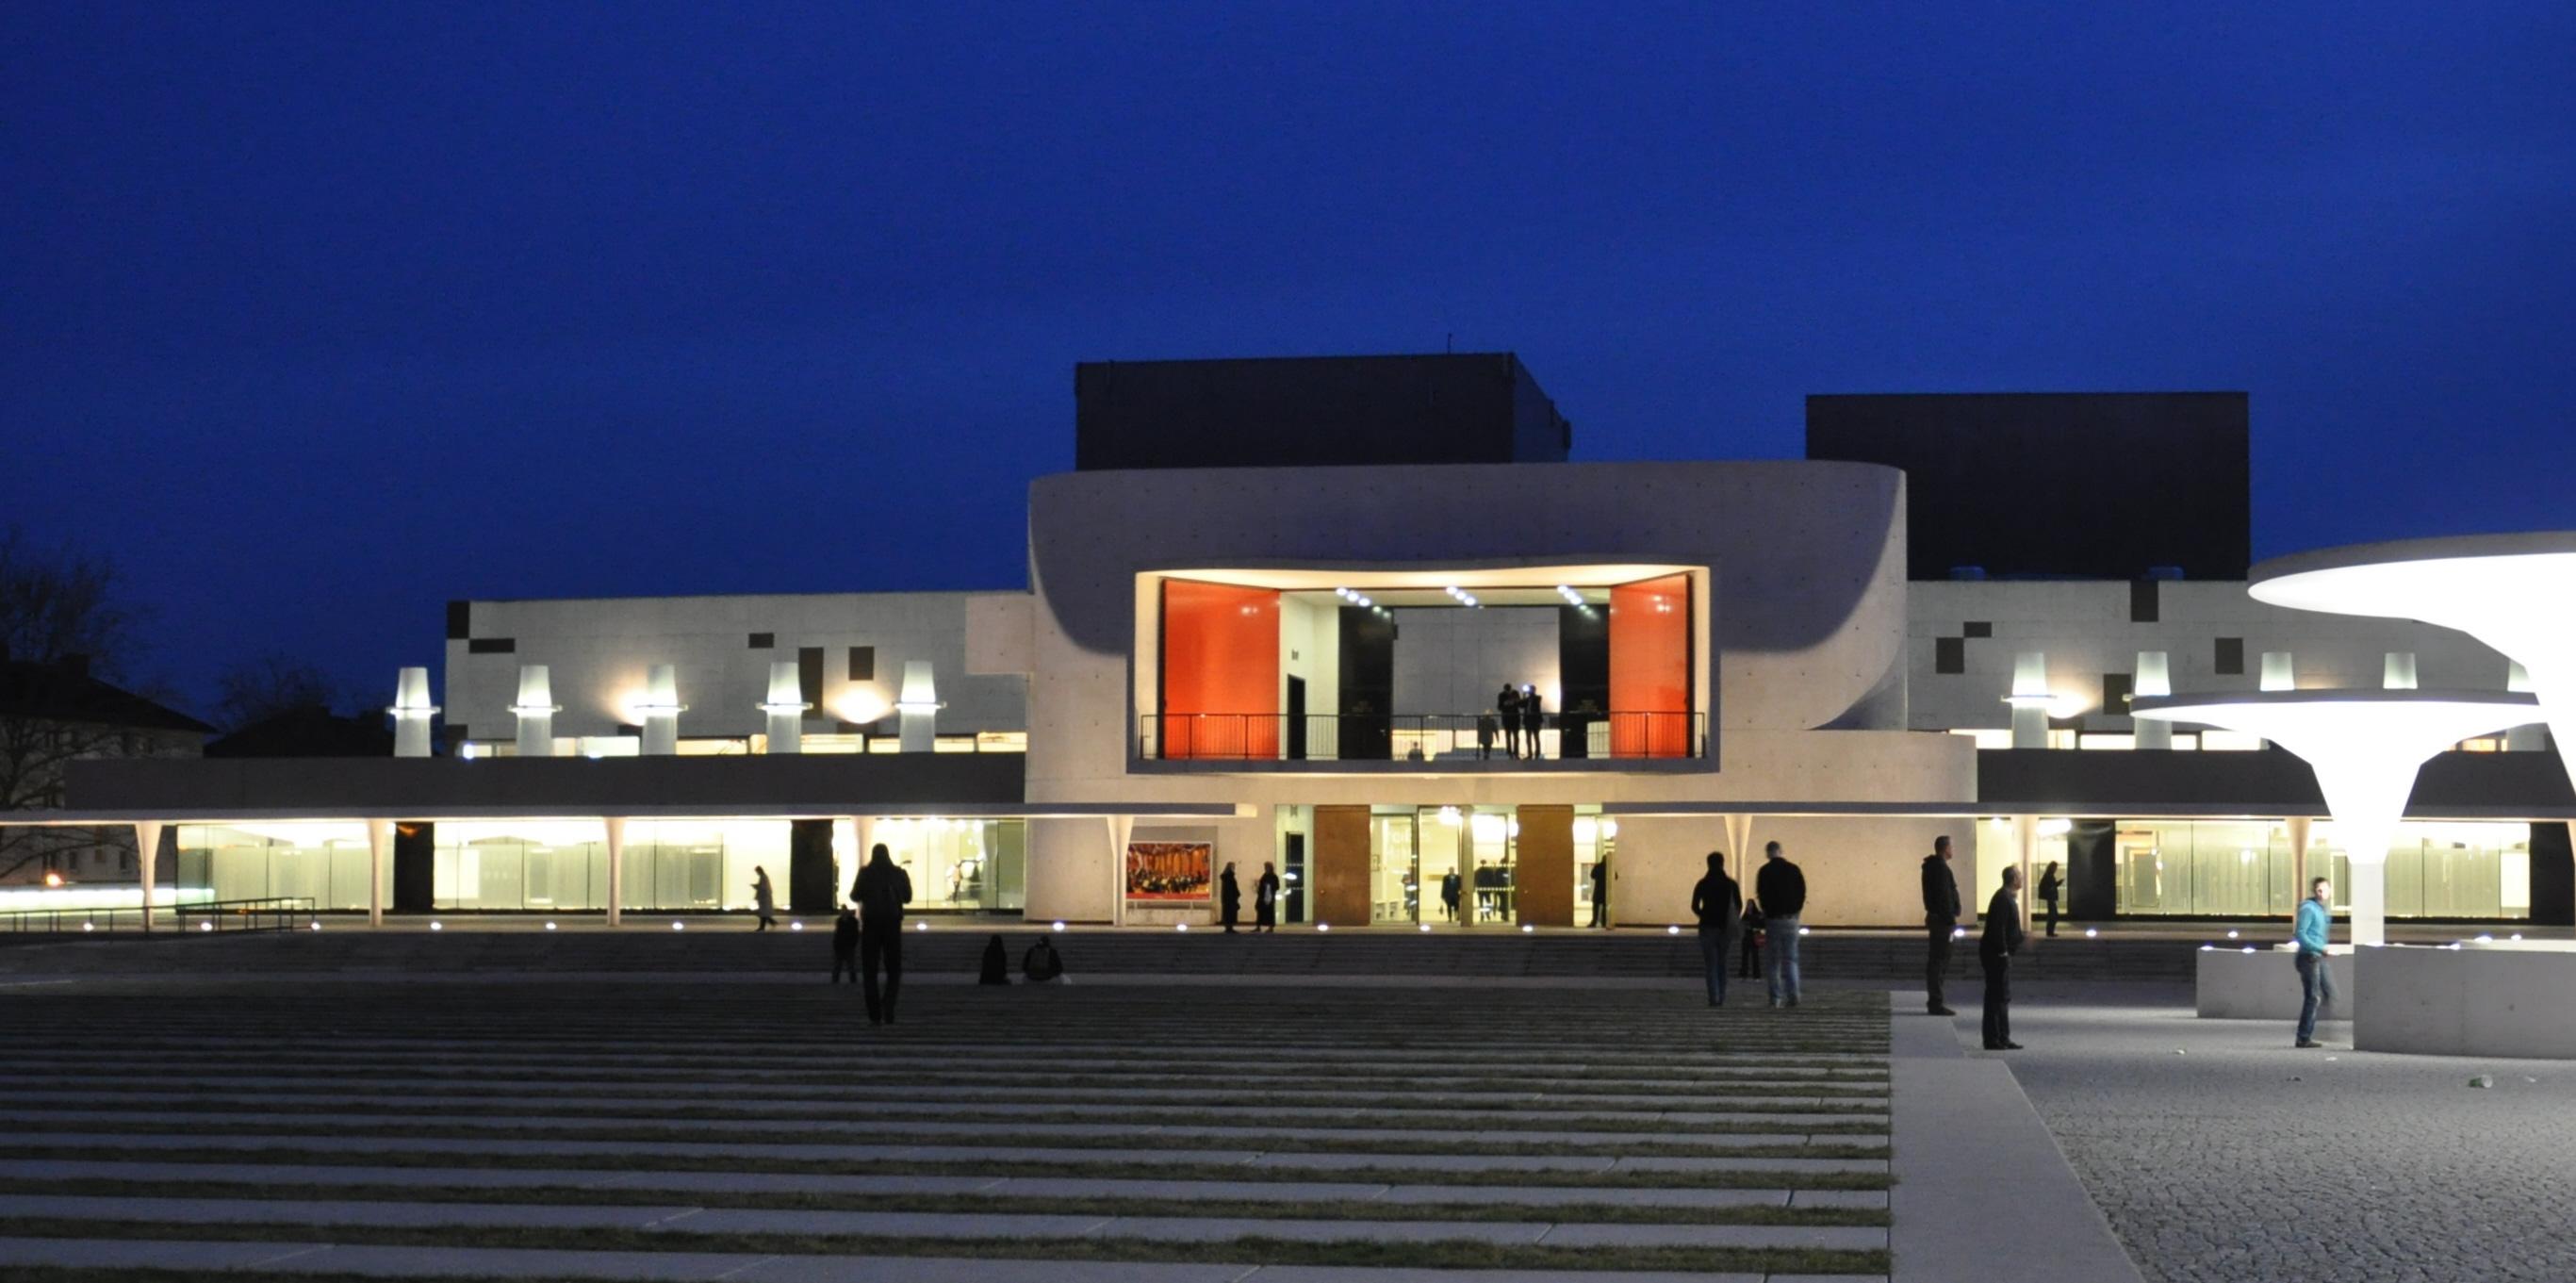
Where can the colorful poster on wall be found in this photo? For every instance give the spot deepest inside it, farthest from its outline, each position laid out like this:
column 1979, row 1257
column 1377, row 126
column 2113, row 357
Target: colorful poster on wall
column 1168, row 870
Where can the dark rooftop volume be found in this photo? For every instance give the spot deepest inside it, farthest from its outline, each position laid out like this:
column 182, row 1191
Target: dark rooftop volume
column 1475, row 407
column 2089, row 485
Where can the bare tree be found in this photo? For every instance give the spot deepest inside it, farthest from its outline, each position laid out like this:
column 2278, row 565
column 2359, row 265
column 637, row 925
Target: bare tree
column 59, row 618
column 255, row 690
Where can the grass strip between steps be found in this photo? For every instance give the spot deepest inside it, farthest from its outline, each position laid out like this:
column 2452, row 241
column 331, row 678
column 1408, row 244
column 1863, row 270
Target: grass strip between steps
column 1452, row 1254
column 979, row 1204
column 1748, row 1179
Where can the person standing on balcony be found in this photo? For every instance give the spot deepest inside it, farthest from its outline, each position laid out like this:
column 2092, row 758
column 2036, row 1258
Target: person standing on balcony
column 1265, row 900
column 1532, row 718
column 1485, row 729
column 1940, row 918
column 1507, row 706
column 1230, row 897
column 1782, row 889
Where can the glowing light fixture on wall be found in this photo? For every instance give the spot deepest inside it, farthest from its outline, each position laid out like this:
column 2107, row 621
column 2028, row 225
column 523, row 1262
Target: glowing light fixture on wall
column 786, row 708
column 2154, row 680
column 536, row 709
column 2029, row 699
column 411, row 712
column 660, row 711
column 918, row 704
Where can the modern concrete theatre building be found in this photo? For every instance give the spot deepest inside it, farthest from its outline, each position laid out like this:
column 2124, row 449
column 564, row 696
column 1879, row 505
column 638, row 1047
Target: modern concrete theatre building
column 1269, row 620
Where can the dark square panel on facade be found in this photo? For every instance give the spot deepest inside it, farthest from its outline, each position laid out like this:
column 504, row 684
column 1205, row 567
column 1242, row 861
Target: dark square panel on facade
column 1949, row 655
column 1977, row 628
column 2230, row 658
column 492, row 646
column 764, row 641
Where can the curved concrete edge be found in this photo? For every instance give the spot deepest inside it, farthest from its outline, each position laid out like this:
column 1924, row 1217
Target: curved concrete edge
column 1983, row 1193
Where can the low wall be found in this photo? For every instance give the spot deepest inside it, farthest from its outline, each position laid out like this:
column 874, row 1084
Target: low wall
column 2495, row 999
column 2263, row 984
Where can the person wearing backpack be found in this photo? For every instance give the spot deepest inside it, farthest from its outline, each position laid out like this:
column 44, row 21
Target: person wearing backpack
column 882, row 889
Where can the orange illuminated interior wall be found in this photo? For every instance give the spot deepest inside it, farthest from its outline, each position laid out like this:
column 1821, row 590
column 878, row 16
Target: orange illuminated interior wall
column 1650, row 668
column 1220, row 663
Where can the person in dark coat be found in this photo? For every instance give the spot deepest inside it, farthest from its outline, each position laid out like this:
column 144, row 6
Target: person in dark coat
column 2002, row 939
column 763, row 898
column 1601, row 892
column 1940, row 918
column 1265, row 900
column 1449, row 893
column 1750, row 950
column 1485, row 728
column 1719, row 905
column 845, row 946
column 1782, row 889
column 1042, row 965
column 2048, row 888
column 882, row 889
column 1229, row 897
column 1533, row 716
column 1507, row 707
column 997, row 964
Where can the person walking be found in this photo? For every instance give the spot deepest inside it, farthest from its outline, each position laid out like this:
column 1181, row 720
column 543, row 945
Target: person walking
column 1601, row 892
column 1533, row 717
column 1940, row 919
column 882, row 889
column 764, row 899
column 2048, row 888
column 1230, row 897
column 2002, row 939
column 1265, row 900
column 1782, row 889
column 1719, row 905
column 1507, row 707
column 2316, row 975
column 845, row 946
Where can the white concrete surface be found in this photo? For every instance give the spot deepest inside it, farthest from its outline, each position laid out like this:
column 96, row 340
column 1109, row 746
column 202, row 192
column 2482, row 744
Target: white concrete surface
column 2233, row 984
column 2499, row 999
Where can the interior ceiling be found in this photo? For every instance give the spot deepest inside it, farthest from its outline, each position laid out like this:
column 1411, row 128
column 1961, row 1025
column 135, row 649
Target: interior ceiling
column 1406, row 598
column 1484, row 583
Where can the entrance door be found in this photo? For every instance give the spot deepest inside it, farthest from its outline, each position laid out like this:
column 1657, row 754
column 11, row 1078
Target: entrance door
column 1293, row 855
column 1296, row 719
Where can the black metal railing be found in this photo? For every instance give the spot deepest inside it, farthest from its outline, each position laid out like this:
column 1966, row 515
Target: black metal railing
column 1417, row 737
column 269, row 913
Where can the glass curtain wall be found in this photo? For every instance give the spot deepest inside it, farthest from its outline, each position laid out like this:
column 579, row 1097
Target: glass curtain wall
column 559, row 865
column 956, row 865
column 2224, row 868
column 326, row 863
column 1421, row 859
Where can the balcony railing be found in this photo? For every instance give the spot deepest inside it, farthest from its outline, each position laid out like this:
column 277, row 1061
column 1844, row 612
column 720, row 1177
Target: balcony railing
column 1415, row 737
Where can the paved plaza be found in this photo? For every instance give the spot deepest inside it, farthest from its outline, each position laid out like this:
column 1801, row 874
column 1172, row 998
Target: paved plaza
column 414, row 1121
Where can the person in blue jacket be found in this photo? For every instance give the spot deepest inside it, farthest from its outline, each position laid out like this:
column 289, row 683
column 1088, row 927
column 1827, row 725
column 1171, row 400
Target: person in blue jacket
column 2316, row 976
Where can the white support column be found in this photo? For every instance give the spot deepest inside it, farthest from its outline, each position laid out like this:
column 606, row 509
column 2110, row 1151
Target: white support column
column 2301, row 828
column 786, row 708
column 380, row 851
column 661, row 711
column 2029, row 700
column 917, row 707
column 412, row 712
column 616, row 828
column 147, row 849
column 2154, row 679
column 536, row 709
column 1122, row 828
column 2025, row 854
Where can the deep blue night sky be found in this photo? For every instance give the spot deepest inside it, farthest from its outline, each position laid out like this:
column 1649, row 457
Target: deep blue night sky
column 314, row 317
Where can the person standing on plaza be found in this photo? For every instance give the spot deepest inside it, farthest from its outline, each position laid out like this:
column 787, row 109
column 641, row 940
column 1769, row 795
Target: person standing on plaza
column 1719, row 905
column 1601, row 892
column 1507, row 707
column 882, row 889
column 1230, row 897
column 1265, row 900
column 2316, row 975
column 764, row 899
column 2048, row 889
column 1940, row 918
column 1782, row 889
column 845, row 946
column 2002, row 939
column 1753, row 940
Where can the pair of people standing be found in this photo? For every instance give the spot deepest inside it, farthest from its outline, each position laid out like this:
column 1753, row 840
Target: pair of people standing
column 1718, row 902
column 1265, row 899
column 2001, row 939
column 1522, row 714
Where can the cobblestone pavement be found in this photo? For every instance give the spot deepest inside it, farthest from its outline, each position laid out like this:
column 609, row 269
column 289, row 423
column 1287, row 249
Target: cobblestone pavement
column 2243, row 1159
